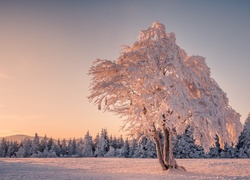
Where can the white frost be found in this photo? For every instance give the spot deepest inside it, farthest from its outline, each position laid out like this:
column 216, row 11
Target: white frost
column 119, row 168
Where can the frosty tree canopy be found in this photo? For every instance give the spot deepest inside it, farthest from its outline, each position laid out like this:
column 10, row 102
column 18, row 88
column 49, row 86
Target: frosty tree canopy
column 154, row 85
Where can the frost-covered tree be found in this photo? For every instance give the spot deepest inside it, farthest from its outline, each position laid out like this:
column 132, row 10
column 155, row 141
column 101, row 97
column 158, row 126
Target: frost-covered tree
column 3, row 148
column 132, row 148
column 103, row 145
column 50, row 143
column 244, row 140
column 120, row 142
column 57, row 148
column 72, row 147
column 64, row 149
column 215, row 150
column 113, row 142
column 185, row 147
column 35, row 144
column 87, row 150
column 12, row 149
column 228, row 152
column 143, row 148
column 52, row 151
column 112, row 152
column 96, row 141
column 79, row 147
column 43, row 143
column 155, row 87
column 25, row 148
column 126, row 149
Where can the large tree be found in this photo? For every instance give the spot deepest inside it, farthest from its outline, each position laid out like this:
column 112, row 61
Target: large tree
column 156, row 87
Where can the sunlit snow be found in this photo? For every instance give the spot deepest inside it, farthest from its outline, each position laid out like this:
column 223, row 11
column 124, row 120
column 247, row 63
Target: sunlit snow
column 120, row 168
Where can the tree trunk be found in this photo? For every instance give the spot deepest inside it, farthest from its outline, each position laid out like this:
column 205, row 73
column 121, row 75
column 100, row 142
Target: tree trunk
column 165, row 151
column 168, row 150
column 159, row 149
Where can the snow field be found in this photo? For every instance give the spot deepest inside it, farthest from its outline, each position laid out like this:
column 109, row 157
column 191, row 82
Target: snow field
column 120, row 168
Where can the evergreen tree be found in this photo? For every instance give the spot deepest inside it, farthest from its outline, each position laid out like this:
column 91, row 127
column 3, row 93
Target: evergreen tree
column 120, row 142
column 50, row 143
column 27, row 147
column 3, row 148
column 111, row 153
column 141, row 149
column 185, row 147
column 132, row 147
column 215, row 150
column 43, row 144
column 79, row 147
column 244, row 140
column 64, row 149
column 87, row 146
column 12, row 149
column 103, row 145
column 52, row 151
column 126, row 149
column 115, row 143
column 150, row 152
column 96, row 141
column 72, row 147
column 228, row 151
column 20, row 152
column 57, row 148
column 35, row 144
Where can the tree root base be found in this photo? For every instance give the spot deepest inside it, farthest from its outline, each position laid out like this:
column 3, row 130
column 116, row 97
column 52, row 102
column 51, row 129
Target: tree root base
column 180, row 168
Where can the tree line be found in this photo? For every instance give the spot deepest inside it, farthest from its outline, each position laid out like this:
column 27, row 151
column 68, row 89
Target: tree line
column 104, row 145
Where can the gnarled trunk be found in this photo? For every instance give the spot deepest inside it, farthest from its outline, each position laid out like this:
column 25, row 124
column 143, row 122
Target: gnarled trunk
column 159, row 150
column 165, row 151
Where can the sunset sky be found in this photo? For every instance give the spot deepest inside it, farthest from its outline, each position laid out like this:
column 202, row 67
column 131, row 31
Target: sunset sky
column 47, row 47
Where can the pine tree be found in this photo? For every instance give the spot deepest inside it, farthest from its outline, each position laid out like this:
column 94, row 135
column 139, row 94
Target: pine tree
column 12, row 149
column 215, row 150
column 132, row 147
column 79, row 147
column 151, row 152
column 57, row 148
column 20, row 152
column 64, row 149
column 228, row 152
column 43, row 143
column 87, row 146
column 141, row 149
column 50, row 143
column 35, row 144
column 72, row 147
column 103, row 145
column 185, row 147
column 96, row 141
column 244, row 140
column 3, row 148
column 112, row 152
column 27, row 147
column 120, row 142
column 126, row 149
column 115, row 143
column 119, row 148
column 52, row 151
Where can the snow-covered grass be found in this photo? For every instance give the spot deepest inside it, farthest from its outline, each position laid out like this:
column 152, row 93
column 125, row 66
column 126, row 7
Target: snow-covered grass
column 120, row 168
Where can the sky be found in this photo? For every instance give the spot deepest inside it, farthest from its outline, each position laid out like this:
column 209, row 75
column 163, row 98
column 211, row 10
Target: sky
column 47, row 48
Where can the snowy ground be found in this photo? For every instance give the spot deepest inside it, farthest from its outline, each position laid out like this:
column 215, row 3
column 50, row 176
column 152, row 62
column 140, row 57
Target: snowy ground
column 119, row 168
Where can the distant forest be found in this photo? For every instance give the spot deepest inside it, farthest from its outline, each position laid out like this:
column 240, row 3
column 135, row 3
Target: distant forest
column 104, row 145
